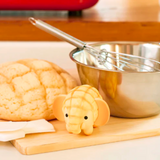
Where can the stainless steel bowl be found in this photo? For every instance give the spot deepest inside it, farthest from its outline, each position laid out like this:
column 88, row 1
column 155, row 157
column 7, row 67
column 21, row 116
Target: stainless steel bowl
column 128, row 94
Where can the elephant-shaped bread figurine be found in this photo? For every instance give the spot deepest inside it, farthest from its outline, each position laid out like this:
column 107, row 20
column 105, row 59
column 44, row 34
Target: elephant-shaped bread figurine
column 82, row 109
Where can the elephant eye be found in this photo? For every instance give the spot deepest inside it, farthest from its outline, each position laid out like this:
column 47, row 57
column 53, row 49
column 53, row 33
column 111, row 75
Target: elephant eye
column 85, row 117
column 66, row 115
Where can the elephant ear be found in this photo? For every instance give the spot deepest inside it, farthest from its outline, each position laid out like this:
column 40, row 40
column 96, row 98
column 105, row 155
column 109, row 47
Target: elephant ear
column 57, row 107
column 103, row 113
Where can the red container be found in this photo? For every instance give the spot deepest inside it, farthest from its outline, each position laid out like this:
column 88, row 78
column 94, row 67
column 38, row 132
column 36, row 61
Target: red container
column 70, row 5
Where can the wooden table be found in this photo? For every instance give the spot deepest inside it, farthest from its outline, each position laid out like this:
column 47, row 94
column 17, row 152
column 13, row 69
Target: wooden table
column 123, row 20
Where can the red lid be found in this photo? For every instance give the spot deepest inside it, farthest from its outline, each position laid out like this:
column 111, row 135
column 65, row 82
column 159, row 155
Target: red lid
column 71, row 5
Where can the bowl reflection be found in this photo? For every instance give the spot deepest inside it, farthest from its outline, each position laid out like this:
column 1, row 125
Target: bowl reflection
column 128, row 94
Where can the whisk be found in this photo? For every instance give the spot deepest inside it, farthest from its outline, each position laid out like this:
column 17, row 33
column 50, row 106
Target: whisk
column 120, row 61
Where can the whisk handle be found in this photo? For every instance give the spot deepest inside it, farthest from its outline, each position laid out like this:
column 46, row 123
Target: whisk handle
column 57, row 33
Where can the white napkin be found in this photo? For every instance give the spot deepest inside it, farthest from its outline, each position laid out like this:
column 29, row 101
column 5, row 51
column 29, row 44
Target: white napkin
column 14, row 130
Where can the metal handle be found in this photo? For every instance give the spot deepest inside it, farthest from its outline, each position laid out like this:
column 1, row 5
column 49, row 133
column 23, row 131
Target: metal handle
column 57, row 33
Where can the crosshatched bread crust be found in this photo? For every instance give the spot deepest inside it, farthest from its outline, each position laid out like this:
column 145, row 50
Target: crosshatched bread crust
column 28, row 88
column 80, row 99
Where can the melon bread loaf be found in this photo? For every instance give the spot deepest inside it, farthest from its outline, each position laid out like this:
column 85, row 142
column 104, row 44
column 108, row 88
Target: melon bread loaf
column 28, row 88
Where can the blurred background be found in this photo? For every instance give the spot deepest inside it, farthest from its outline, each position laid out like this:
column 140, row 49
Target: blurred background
column 88, row 20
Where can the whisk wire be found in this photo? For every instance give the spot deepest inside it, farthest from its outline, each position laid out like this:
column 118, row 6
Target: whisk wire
column 103, row 55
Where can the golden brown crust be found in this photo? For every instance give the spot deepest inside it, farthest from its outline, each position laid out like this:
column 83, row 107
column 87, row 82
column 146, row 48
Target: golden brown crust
column 28, row 87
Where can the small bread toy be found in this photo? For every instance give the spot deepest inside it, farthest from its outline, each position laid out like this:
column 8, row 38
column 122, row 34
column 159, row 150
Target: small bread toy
column 82, row 109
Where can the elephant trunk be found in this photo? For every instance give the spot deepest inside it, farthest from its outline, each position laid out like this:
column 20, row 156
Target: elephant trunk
column 73, row 128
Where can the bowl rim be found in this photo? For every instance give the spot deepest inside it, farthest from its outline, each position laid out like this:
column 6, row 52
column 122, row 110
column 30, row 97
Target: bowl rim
column 111, row 42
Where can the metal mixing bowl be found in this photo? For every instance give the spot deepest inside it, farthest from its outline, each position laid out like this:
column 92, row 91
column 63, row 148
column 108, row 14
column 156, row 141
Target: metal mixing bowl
column 128, row 94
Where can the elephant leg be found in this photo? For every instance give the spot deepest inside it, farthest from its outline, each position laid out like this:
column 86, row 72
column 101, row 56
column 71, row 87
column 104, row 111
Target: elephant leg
column 88, row 131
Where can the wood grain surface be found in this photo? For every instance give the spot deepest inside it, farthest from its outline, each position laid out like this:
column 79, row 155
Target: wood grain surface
column 124, row 20
column 118, row 129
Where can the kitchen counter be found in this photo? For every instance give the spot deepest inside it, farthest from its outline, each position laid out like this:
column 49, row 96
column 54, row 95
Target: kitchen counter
column 118, row 20
column 140, row 149
column 57, row 52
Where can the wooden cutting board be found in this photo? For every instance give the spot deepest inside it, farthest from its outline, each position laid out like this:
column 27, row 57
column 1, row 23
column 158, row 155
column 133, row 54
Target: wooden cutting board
column 118, row 129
